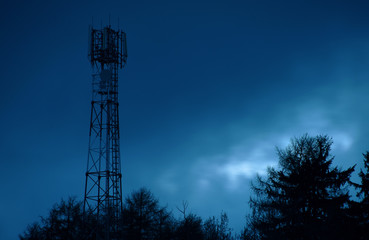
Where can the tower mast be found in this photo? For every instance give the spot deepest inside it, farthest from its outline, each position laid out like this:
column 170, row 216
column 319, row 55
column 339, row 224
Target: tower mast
column 103, row 187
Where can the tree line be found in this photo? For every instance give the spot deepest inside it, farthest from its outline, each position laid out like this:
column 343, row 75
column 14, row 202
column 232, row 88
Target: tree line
column 304, row 197
column 142, row 219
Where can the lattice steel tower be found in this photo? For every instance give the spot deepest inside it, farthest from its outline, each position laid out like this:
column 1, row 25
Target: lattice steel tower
column 103, row 189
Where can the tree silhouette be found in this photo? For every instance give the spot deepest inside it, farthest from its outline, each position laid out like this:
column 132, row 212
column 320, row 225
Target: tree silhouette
column 364, row 193
column 364, row 186
column 143, row 218
column 190, row 228
column 33, row 232
column 305, row 197
column 64, row 222
column 359, row 210
column 217, row 230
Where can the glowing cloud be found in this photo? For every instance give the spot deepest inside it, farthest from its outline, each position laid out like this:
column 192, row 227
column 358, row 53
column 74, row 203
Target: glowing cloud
column 246, row 169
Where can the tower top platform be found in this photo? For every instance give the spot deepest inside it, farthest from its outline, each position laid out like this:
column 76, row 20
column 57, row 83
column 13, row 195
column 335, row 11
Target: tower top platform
column 107, row 46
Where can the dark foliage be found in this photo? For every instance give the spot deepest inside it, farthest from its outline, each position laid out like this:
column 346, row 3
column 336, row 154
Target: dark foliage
column 359, row 211
column 64, row 222
column 143, row 219
column 215, row 229
column 190, row 228
column 364, row 186
column 305, row 198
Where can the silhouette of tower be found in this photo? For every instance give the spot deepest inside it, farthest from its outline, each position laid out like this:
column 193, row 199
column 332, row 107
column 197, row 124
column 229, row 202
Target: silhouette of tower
column 103, row 187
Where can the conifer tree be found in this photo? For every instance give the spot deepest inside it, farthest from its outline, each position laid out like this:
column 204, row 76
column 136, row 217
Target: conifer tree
column 359, row 210
column 305, row 197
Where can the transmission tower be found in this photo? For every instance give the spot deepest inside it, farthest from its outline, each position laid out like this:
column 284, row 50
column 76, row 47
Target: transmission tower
column 103, row 187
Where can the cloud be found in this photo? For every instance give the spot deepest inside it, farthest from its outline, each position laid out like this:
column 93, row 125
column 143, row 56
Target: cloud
column 246, row 169
column 318, row 117
column 256, row 152
column 167, row 181
column 342, row 141
column 242, row 162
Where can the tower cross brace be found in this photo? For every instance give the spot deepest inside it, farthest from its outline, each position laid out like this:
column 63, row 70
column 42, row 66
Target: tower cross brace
column 103, row 186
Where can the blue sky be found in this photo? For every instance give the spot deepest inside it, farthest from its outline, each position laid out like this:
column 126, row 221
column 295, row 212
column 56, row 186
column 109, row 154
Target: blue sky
column 209, row 90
